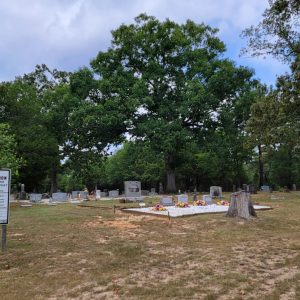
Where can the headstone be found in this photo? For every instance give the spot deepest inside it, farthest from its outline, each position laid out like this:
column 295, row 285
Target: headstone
column 83, row 194
column 59, row 197
column 166, row 201
column 35, row 197
column 145, row 192
column 207, row 199
column 23, row 193
column 133, row 190
column 161, row 188
column 75, row 194
column 113, row 194
column 98, row 194
column 294, row 187
column 215, row 191
column 103, row 194
column 183, row 198
column 152, row 192
column 265, row 188
column 252, row 189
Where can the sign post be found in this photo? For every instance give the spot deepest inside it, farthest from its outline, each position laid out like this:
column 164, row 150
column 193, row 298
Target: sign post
column 5, row 176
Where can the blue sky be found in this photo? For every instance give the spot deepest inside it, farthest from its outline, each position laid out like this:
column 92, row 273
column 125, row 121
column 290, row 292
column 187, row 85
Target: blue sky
column 67, row 34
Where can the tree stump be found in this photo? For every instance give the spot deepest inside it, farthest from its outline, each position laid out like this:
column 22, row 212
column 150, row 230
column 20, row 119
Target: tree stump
column 241, row 206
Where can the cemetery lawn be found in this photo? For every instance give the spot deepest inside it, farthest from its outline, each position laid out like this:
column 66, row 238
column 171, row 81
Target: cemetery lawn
column 71, row 252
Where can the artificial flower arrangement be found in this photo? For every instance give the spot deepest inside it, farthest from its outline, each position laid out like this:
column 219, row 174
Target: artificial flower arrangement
column 225, row 203
column 200, row 203
column 159, row 207
column 182, row 204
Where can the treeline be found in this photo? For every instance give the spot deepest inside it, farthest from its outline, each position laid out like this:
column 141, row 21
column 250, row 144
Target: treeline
column 163, row 94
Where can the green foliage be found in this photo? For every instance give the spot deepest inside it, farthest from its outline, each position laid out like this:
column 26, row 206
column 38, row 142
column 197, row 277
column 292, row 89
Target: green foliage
column 8, row 153
column 134, row 161
column 278, row 33
column 169, row 78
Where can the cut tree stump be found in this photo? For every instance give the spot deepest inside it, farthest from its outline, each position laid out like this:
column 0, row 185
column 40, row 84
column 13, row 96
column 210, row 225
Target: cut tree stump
column 241, row 206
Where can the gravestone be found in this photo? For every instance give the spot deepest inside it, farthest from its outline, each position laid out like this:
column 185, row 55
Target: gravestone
column 207, row 199
column 133, row 190
column 215, row 191
column 183, row 198
column 113, row 194
column 83, row 194
column 152, row 192
column 252, row 189
column 166, row 201
column 161, row 188
column 98, row 194
column 245, row 187
column 59, row 197
column 75, row 194
column 265, row 188
column 23, row 193
column 145, row 192
column 35, row 197
column 103, row 194
column 294, row 187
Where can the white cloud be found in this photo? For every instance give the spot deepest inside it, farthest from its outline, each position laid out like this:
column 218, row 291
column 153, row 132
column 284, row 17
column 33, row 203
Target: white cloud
column 66, row 34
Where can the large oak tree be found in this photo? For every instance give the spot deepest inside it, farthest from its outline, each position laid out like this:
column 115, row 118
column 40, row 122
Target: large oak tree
column 172, row 81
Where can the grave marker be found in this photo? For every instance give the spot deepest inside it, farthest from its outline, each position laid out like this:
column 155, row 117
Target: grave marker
column 35, row 197
column 113, row 194
column 215, row 191
column 59, row 197
column 183, row 198
column 166, row 201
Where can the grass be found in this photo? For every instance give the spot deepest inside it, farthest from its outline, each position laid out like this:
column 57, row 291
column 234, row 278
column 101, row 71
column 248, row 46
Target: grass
column 71, row 252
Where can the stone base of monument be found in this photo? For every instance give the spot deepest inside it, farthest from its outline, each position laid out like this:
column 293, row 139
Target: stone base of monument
column 174, row 212
column 134, row 199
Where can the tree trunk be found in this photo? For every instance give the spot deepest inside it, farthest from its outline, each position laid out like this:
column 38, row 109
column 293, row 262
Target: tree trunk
column 241, row 206
column 261, row 167
column 53, row 180
column 170, row 166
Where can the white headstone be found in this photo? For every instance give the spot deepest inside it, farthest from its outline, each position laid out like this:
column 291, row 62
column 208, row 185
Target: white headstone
column 35, row 197
column 183, row 198
column 113, row 194
column 98, row 194
column 207, row 199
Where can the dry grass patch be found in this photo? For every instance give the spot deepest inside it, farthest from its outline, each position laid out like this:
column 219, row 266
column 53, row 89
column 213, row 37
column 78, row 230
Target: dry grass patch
column 67, row 252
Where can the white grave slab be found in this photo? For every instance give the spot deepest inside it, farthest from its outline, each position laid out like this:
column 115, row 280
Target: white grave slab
column 175, row 212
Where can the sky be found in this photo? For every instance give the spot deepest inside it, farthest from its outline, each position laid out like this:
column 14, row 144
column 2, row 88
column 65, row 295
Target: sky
column 68, row 34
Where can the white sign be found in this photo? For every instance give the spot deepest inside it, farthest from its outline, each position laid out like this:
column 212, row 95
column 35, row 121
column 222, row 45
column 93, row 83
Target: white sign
column 4, row 195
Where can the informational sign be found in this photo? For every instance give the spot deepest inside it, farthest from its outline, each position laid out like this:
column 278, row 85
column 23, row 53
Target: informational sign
column 4, row 195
